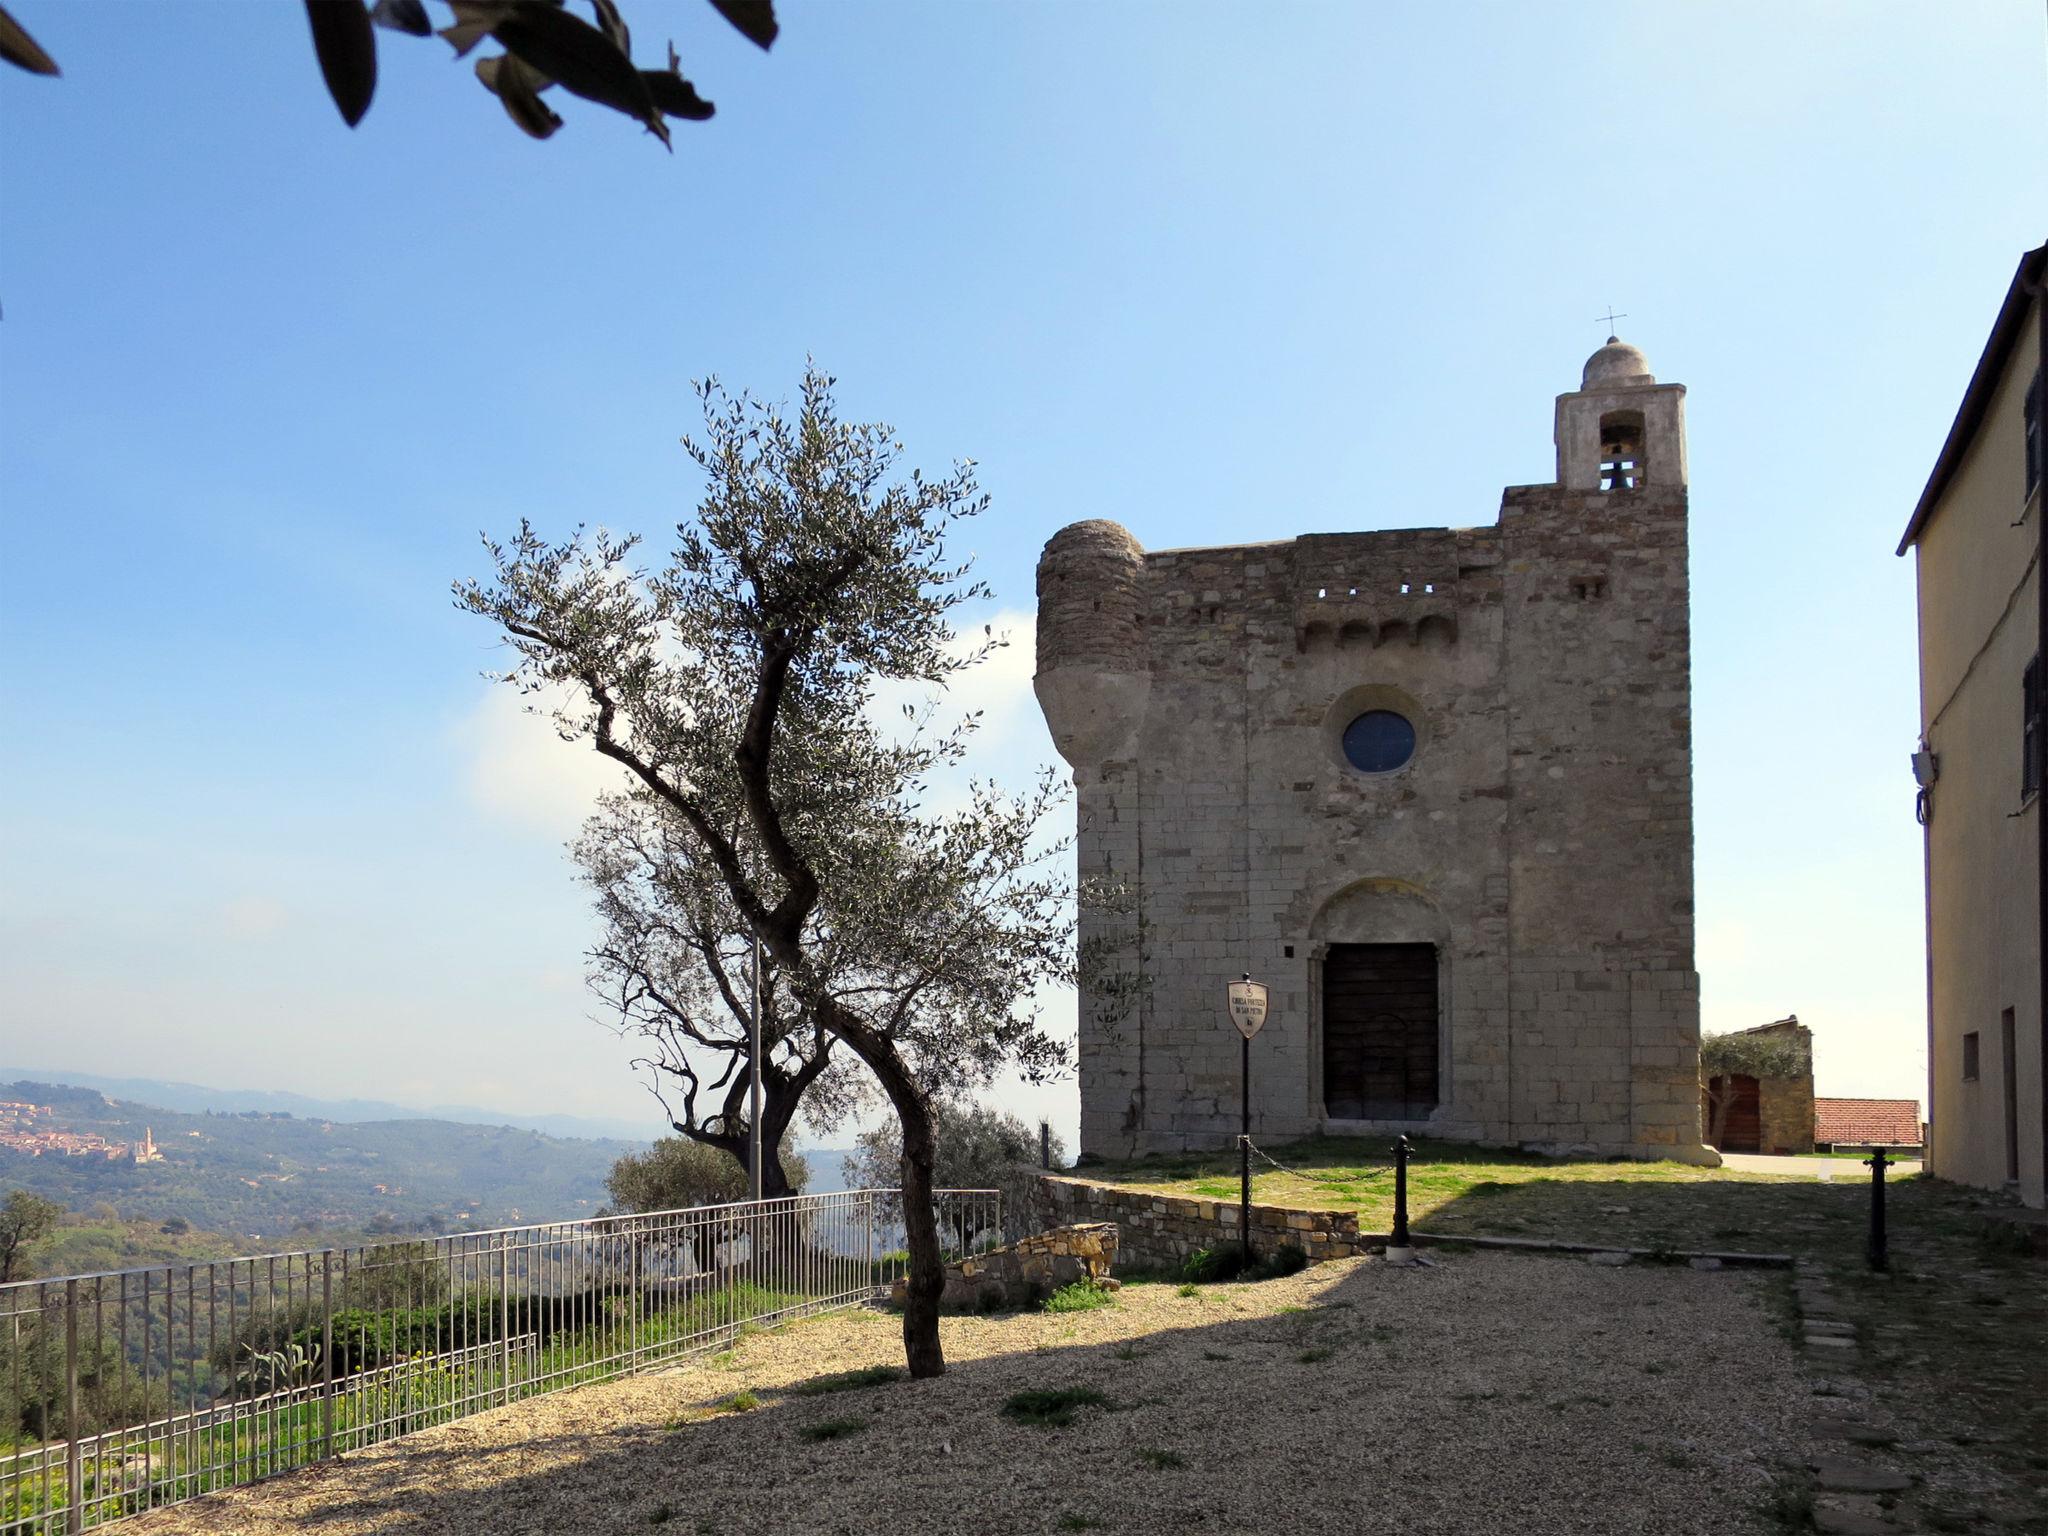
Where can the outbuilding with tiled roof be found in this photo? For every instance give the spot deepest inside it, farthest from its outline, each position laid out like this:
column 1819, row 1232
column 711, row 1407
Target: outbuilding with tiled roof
column 1866, row 1122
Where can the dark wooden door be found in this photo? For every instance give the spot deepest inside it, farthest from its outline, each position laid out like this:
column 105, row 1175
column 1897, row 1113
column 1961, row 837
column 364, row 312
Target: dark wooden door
column 1379, row 1031
column 1744, row 1131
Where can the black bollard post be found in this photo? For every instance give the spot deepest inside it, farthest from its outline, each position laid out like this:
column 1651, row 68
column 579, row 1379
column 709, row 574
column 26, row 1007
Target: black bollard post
column 1045, row 1144
column 1400, row 1238
column 1244, row 1156
column 1879, row 1258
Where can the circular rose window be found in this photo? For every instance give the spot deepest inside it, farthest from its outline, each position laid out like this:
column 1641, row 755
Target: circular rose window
column 1379, row 741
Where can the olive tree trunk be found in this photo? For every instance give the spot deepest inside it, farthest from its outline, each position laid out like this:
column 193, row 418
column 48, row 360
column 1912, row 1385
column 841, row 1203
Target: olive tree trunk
column 927, row 1280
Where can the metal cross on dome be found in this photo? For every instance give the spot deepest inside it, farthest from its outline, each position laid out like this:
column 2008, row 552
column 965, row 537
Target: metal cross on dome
column 1610, row 317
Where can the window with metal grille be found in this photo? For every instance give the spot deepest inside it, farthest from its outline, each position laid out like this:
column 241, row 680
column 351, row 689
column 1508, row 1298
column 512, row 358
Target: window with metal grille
column 2030, row 729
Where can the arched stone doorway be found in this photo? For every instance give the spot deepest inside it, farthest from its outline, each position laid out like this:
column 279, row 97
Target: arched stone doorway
column 1380, row 979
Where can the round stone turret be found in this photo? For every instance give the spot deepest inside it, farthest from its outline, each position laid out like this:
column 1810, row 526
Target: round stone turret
column 1617, row 363
column 1093, row 665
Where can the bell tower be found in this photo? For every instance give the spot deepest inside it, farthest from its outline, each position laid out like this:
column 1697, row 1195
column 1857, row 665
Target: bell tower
column 1621, row 430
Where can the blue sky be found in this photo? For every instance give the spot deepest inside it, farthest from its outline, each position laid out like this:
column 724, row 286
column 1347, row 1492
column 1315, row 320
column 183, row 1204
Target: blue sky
column 1217, row 271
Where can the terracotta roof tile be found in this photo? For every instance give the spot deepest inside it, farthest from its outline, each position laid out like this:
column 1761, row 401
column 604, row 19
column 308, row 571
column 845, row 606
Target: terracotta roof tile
column 1867, row 1122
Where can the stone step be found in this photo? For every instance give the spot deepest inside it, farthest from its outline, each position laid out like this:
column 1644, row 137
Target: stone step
column 1855, row 1431
column 1850, row 1522
column 1837, row 1475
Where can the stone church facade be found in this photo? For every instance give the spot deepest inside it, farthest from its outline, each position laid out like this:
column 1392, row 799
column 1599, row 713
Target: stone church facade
column 1433, row 786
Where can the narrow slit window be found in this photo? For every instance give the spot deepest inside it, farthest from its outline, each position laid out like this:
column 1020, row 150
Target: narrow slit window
column 2036, row 435
column 2030, row 729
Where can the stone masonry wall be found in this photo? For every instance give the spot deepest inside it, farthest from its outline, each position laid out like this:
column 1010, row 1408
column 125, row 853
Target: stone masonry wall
column 1159, row 1231
column 1028, row 1270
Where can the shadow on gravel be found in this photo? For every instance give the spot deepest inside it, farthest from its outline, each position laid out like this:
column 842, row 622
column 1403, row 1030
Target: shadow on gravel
column 1488, row 1392
column 1951, row 1335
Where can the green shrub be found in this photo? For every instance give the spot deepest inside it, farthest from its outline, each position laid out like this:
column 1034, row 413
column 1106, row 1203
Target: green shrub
column 739, row 1402
column 849, row 1381
column 1206, row 1266
column 1051, row 1407
column 834, row 1429
column 1081, row 1296
column 1281, row 1262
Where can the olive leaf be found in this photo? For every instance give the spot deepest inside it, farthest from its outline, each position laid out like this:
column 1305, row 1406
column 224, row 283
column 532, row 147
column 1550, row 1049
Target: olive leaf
column 346, row 44
column 614, row 25
column 673, row 94
column 579, row 58
column 518, row 85
column 473, row 22
column 17, row 47
column 408, row 16
column 754, row 18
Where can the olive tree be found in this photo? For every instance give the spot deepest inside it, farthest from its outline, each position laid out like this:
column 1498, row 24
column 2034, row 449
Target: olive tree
column 979, row 1147
column 25, row 1220
column 736, row 686
column 1744, row 1053
column 675, row 966
column 675, row 1175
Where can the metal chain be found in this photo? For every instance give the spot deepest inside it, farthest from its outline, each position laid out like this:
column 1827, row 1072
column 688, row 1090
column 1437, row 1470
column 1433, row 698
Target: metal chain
column 1309, row 1178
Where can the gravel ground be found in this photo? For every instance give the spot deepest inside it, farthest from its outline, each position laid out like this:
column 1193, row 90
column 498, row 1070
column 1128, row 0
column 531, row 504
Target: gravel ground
column 1490, row 1393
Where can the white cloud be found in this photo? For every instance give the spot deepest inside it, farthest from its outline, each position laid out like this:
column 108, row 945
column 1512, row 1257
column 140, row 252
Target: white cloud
column 521, row 770
column 251, row 917
column 1010, row 743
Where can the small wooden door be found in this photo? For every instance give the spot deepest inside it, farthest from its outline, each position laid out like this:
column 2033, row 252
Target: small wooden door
column 1380, row 1031
column 1744, row 1131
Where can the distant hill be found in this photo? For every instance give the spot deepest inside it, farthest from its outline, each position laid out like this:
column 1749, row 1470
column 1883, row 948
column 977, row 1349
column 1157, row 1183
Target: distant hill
column 194, row 1098
column 828, row 1168
column 272, row 1173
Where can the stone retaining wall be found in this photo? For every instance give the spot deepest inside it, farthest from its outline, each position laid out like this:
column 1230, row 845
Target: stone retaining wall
column 1028, row 1270
column 1158, row 1231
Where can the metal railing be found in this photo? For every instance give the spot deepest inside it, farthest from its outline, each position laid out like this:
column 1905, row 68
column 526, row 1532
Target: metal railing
column 127, row 1391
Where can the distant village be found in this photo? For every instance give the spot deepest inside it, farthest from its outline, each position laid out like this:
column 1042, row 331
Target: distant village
column 31, row 1131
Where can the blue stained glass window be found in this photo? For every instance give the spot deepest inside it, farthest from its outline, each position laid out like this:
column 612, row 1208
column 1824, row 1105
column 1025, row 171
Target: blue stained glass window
column 1379, row 741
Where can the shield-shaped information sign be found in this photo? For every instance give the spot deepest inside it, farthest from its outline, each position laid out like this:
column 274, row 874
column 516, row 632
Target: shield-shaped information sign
column 1247, row 1006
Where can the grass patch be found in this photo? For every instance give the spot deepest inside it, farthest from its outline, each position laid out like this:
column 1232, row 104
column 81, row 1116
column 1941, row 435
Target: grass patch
column 1081, row 1296
column 739, row 1402
column 849, row 1381
column 1051, row 1407
column 1790, row 1504
column 1188, row 1288
column 1213, row 1354
column 1073, row 1522
column 834, row 1429
column 661, row 1514
column 1161, row 1461
column 1314, row 1356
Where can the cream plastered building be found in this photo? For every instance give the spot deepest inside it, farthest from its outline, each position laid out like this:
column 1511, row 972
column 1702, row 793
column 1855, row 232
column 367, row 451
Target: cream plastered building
column 1433, row 786
column 1976, row 543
